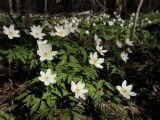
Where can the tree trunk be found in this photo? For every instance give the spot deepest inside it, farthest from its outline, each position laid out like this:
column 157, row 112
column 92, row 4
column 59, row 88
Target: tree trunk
column 10, row 7
column 27, row 12
column 45, row 9
column 17, row 5
column 136, row 19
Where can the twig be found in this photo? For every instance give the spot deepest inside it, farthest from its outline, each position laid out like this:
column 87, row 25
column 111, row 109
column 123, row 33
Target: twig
column 103, row 6
column 136, row 18
column 11, row 84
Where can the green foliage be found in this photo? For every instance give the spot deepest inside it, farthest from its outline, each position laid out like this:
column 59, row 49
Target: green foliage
column 6, row 116
column 57, row 101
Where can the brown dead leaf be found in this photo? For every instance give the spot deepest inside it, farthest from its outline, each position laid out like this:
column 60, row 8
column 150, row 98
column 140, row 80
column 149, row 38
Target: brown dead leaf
column 134, row 110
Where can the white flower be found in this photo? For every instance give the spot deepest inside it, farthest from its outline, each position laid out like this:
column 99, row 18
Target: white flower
column 129, row 50
column 47, row 77
column 11, row 32
column 94, row 60
column 119, row 44
column 149, row 21
column 121, row 24
column 52, row 33
column 133, row 14
column 79, row 90
column 128, row 42
column 87, row 32
column 100, row 49
column 126, row 90
column 62, row 32
column 97, row 40
column 104, row 23
column 71, row 28
column 130, row 24
column 36, row 32
column 46, row 53
column 124, row 56
column 110, row 23
column 41, row 43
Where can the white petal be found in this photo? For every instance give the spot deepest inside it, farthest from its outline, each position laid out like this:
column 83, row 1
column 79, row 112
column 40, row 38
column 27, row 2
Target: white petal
column 46, row 83
column 119, row 88
column 73, row 86
column 133, row 94
column 42, row 73
column 99, row 66
column 129, row 87
column 76, row 95
column 41, row 79
column 48, row 72
column 52, row 81
column 84, row 91
column 82, row 96
column 100, row 60
column 124, row 84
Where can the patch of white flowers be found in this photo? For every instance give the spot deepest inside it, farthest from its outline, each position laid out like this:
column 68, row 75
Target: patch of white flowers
column 65, row 28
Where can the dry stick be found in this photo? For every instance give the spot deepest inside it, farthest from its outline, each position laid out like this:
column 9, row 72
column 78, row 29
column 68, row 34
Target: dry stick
column 103, row 6
column 136, row 18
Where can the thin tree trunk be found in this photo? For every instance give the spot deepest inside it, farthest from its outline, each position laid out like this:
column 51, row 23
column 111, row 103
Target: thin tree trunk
column 136, row 19
column 94, row 4
column 27, row 12
column 10, row 7
column 45, row 9
column 17, row 5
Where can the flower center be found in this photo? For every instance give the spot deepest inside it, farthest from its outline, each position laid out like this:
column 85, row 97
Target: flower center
column 11, row 33
column 46, row 54
column 77, row 90
column 125, row 91
column 46, row 78
column 61, row 33
column 94, row 61
column 37, row 34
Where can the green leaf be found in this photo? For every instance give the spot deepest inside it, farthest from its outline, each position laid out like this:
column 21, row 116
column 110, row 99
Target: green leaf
column 36, row 105
column 100, row 84
column 63, row 59
column 57, row 92
column 90, row 72
column 65, row 92
column 72, row 59
column 83, row 53
column 109, row 86
column 76, row 116
column 69, row 48
column 22, row 95
column 43, row 106
column 66, row 115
